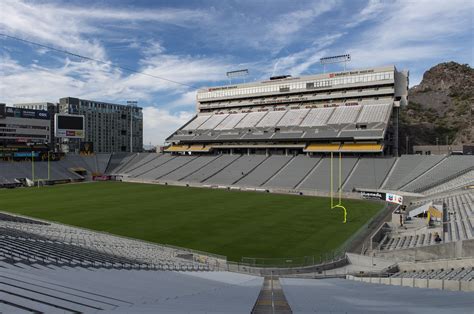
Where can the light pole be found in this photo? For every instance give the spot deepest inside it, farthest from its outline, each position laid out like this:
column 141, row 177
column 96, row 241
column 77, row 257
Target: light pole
column 132, row 104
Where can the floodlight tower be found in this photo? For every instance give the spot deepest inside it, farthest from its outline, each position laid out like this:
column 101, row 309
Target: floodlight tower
column 335, row 59
column 132, row 104
column 237, row 73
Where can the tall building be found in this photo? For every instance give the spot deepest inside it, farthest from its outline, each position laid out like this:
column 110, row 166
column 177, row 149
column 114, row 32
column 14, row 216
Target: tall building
column 350, row 112
column 109, row 127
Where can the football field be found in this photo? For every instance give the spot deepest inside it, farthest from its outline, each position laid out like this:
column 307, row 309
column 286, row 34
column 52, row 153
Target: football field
column 229, row 223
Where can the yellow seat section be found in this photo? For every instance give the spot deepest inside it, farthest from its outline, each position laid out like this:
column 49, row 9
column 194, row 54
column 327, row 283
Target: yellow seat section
column 322, row 147
column 199, row 148
column 188, row 148
column 177, row 148
column 434, row 212
column 361, row 147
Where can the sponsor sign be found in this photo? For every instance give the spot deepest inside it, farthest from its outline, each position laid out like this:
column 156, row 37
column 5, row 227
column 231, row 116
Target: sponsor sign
column 394, row 198
column 373, row 196
column 24, row 113
column 101, row 178
column 26, row 154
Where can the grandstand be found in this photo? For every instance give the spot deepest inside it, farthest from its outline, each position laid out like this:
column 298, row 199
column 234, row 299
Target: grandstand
column 301, row 114
column 313, row 135
column 298, row 173
column 71, row 168
column 27, row 241
column 278, row 135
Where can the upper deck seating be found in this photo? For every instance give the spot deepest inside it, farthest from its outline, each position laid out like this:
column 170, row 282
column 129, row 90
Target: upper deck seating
column 198, row 120
column 374, row 113
column 251, row 119
column 344, row 115
column 324, row 122
column 231, row 121
column 271, row 119
column 317, row 117
column 212, row 122
column 293, row 117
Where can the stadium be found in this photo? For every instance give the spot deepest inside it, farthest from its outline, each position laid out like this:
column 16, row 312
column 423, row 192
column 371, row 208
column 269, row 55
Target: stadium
column 276, row 196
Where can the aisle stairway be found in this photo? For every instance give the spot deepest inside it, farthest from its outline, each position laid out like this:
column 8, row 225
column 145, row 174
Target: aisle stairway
column 271, row 298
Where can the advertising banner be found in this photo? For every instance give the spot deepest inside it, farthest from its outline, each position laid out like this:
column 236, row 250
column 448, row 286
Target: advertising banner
column 373, row 196
column 24, row 113
column 394, row 198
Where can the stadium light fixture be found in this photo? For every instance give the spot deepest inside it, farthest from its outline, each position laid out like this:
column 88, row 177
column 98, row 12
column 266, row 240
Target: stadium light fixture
column 237, row 73
column 335, row 59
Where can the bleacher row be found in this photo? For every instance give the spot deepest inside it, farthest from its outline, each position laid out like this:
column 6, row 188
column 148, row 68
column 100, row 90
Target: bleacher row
column 412, row 173
column 459, row 224
column 466, row 179
column 407, row 241
column 460, row 207
column 38, row 288
column 64, row 169
column 55, row 244
column 53, row 268
column 331, row 122
column 463, row 273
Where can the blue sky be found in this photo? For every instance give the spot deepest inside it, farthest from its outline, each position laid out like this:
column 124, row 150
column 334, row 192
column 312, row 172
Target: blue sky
column 197, row 42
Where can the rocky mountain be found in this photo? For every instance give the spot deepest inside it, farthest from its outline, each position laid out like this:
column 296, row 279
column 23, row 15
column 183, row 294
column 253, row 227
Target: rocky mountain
column 440, row 107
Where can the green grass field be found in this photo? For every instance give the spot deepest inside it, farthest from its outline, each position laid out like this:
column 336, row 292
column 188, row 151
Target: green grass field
column 229, row 223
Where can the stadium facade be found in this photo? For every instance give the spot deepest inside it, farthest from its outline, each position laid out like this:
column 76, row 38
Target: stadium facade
column 108, row 126
column 23, row 131
column 352, row 112
column 51, row 108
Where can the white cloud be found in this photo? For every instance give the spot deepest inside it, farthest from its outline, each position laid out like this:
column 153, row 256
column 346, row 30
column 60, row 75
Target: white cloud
column 187, row 99
column 289, row 23
column 180, row 17
column 42, row 23
column 369, row 12
column 402, row 32
column 288, row 27
column 158, row 124
column 300, row 62
column 66, row 26
column 411, row 31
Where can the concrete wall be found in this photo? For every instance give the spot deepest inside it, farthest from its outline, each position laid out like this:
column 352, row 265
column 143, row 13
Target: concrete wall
column 347, row 195
column 265, row 271
column 450, row 285
column 377, row 264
